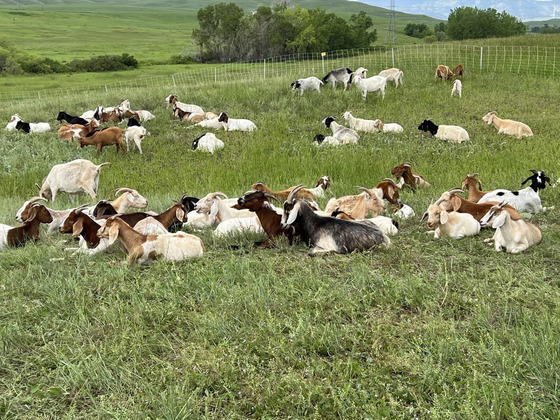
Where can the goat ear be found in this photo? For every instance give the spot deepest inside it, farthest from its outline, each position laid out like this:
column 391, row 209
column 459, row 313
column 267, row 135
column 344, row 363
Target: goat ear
column 293, row 214
column 390, row 192
column 499, row 220
column 32, row 214
column 113, row 233
column 524, row 182
column 180, row 214
column 424, row 216
column 77, row 227
column 444, row 217
column 214, row 209
column 456, row 202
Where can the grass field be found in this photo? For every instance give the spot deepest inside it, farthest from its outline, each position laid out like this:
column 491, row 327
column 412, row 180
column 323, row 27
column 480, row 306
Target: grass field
column 427, row 328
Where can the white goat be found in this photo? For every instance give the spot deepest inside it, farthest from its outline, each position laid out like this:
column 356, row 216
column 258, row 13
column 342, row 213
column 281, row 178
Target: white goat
column 452, row 133
column 455, row 225
column 360, row 124
column 508, row 127
column 405, row 212
column 218, row 209
column 525, row 200
column 236, row 124
column 343, row 134
column 309, row 83
column 207, row 143
column 385, row 224
column 371, row 84
column 194, row 109
column 13, row 122
column 393, row 74
column 135, row 134
column 457, row 88
column 213, row 123
column 388, row 127
column 238, row 225
column 514, row 236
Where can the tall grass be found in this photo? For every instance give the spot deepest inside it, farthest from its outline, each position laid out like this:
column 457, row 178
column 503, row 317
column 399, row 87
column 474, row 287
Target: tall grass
column 426, row 328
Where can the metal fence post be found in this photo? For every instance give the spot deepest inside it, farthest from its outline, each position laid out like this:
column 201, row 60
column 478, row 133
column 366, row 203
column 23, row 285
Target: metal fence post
column 393, row 56
column 481, row 49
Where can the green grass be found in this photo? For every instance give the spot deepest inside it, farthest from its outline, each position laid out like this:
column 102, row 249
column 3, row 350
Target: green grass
column 426, row 328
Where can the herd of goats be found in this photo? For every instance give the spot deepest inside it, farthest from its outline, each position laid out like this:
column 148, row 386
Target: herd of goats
column 342, row 227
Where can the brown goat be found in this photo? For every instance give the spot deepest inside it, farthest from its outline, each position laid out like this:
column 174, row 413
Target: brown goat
column 443, row 73
column 68, row 132
column 114, row 115
column 404, row 174
column 32, row 217
column 176, row 212
column 102, row 138
column 258, row 202
column 471, row 183
column 450, row 201
column 458, row 70
column 390, row 191
column 80, row 224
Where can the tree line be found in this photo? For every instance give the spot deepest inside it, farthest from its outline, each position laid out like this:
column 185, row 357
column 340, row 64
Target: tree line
column 227, row 33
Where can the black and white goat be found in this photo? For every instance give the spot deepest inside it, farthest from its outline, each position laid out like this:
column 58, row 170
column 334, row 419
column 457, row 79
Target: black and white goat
column 342, row 75
column 329, row 234
column 526, row 200
column 308, row 83
column 62, row 115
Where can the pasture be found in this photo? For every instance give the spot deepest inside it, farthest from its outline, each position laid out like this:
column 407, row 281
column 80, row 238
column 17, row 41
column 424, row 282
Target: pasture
column 425, row 329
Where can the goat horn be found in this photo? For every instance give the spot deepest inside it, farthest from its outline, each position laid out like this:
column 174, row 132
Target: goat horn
column 293, row 193
column 35, row 199
column 268, row 195
column 364, row 189
column 122, row 190
column 408, row 165
column 473, row 175
column 220, row 193
column 534, row 171
column 455, row 190
column 390, row 180
column 37, row 185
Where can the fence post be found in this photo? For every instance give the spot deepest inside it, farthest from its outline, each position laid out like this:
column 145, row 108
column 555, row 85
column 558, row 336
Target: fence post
column 106, row 89
column 173, row 78
column 481, row 49
column 393, row 56
column 264, row 68
column 215, row 75
column 39, row 95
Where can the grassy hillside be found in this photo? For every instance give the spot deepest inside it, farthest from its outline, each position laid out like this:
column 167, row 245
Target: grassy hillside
column 146, row 29
column 424, row 329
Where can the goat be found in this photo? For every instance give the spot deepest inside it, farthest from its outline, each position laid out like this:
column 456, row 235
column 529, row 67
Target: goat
column 81, row 225
column 450, row 201
column 358, row 206
column 390, row 191
column 77, row 176
column 322, row 140
column 128, row 198
column 69, row 132
column 207, row 143
column 13, row 122
column 58, row 216
column 457, row 88
column 213, row 123
column 404, row 212
column 341, row 75
column 344, row 134
column 452, row 133
column 385, row 224
column 309, row 83
column 26, row 127
column 307, row 194
column 526, row 200
column 371, row 84
column 96, row 113
column 238, row 225
column 218, row 209
column 405, row 176
column 508, row 127
column 458, row 70
column 443, row 73
column 454, row 224
column 329, row 234
column 135, row 134
column 70, row 119
column 175, row 213
column 474, row 187
column 269, row 216
column 359, row 124
column 514, row 236
column 147, row 248
column 388, row 127
column 236, row 124
column 100, row 139
column 393, row 74
column 113, row 115
column 193, row 109
column 18, row 236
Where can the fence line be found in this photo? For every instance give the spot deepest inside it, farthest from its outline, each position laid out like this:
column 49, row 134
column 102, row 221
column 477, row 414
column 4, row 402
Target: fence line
column 410, row 58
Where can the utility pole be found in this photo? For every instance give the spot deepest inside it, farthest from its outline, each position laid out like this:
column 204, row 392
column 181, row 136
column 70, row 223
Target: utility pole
column 391, row 35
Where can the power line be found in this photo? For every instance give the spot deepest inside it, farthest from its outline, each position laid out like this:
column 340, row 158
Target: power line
column 391, row 34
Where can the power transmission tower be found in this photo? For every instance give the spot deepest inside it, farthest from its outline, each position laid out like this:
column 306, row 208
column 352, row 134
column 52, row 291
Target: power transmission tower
column 391, row 35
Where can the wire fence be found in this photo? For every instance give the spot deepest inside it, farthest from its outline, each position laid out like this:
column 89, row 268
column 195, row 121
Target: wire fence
column 526, row 60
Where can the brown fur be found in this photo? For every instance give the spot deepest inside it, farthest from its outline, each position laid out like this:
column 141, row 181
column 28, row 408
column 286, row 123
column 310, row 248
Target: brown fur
column 107, row 137
column 443, row 73
column 32, row 216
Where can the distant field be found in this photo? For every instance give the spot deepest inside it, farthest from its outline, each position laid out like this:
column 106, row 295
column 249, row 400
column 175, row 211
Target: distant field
column 151, row 31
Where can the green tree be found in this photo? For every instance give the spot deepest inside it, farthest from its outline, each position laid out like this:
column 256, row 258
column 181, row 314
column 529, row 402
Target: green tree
column 361, row 24
column 473, row 23
column 417, row 30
